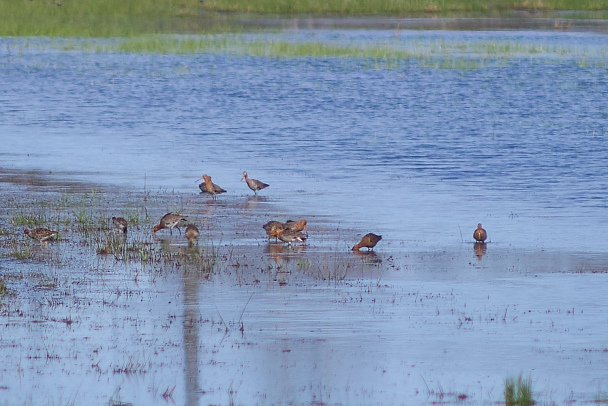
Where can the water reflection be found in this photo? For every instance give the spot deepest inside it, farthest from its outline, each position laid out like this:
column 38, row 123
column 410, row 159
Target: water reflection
column 253, row 202
column 368, row 257
column 480, row 249
column 190, row 282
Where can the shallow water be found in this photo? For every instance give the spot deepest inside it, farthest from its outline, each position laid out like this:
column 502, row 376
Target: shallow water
column 415, row 152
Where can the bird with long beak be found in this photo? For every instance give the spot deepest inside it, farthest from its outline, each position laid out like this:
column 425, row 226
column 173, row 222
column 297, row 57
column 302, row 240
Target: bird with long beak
column 369, row 241
column 169, row 221
column 254, row 184
column 209, row 187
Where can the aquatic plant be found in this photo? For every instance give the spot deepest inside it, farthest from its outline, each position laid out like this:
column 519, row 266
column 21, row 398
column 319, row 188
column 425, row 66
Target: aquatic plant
column 22, row 218
column 21, row 253
column 518, row 392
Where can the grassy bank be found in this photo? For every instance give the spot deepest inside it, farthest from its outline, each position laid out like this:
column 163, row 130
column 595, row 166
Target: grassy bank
column 400, row 8
column 92, row 18
column 116, row 18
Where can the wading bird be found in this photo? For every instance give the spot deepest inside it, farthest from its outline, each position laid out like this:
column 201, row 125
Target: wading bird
column 254, row 184
column 169, row 221
column 289, row 236
column 480, row 234
column 272, row 228
column 40, row 234
column 295, row 225
column 192, row 233
column 209, row 187
column 369, row 241
column 120, row 224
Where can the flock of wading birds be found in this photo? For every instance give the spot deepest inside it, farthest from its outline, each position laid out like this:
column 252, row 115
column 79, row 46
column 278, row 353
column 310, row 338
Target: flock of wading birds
column 288, row 232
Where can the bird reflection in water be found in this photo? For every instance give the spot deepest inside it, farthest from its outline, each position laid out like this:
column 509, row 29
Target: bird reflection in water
column 480, row 249
column 368, row 257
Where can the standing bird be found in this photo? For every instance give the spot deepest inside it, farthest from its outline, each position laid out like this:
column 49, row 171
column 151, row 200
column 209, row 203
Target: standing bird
column 290, row 236
column 480, row 234
column 209, row 187
column 40, row 234
column 192, row 233
column 272, row 228
column 120, row 224
column 169, row 221
column 254, row 184
column 295, row 225
column 369, row 240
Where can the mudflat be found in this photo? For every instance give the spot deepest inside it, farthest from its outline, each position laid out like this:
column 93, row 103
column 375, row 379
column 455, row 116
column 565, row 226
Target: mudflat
column 96, row 316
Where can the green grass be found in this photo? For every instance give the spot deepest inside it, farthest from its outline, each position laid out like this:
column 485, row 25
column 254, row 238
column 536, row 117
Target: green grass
column 518, row 392
column 391, row 53
column 398, row 7
column 93, row 18
column 118, row 18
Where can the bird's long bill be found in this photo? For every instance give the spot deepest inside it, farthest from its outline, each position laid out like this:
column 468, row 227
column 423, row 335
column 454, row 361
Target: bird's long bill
column 201, row 178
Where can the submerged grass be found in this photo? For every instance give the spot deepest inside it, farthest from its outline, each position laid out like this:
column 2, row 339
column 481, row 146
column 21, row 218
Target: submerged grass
column 392, row 53
column 518, row 392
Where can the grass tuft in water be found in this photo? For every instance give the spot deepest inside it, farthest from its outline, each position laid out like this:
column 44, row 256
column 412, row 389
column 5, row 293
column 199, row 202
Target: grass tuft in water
column 28, row 219
column 518, row 392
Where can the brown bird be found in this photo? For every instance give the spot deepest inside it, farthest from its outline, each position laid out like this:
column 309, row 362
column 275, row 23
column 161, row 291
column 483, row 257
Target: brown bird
column 120, row 224
column 254, row 184
column 369, row 240
column 169, row 221
column 295, row 225
column 209, row 187
column 290, row 236
column 40, row 234
column 192, row 233
column 480, row 234
column 272, row 228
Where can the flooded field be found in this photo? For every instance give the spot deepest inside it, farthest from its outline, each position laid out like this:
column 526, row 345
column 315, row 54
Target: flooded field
column 503, row 128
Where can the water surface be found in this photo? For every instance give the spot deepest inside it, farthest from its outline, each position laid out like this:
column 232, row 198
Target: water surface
column 419, row 150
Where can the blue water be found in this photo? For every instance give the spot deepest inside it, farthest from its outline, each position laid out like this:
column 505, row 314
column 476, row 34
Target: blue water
column 416, row 152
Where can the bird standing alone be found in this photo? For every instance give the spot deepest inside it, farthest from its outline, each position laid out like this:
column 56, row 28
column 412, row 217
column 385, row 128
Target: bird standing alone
column 369, row 241
column 40, row 234
column 254, row 184
column 480, row 234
